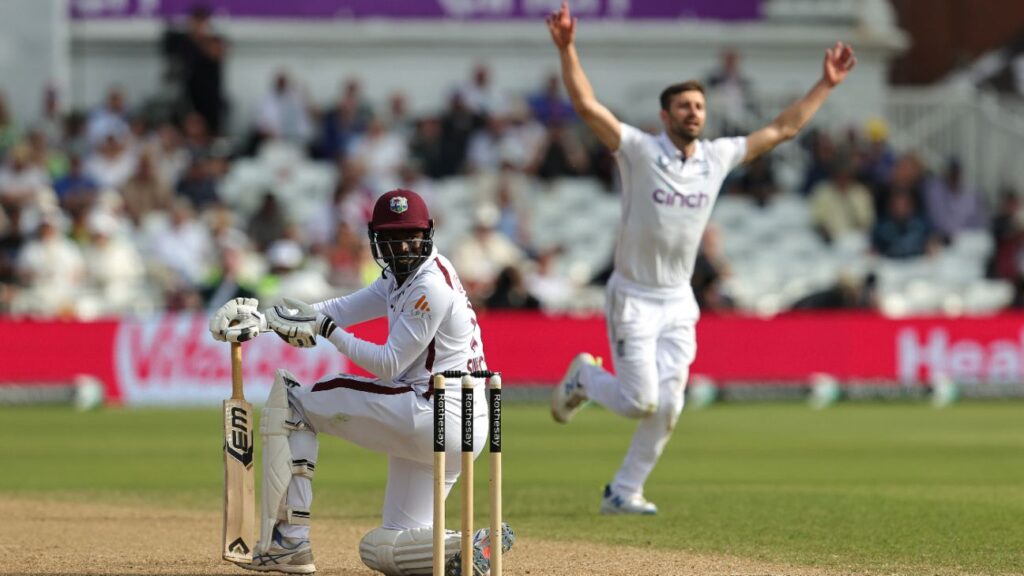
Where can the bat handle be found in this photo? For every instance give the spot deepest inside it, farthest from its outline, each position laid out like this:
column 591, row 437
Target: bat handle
column 237, row 392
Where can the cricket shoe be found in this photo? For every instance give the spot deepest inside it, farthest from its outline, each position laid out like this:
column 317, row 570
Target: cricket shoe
column 481, row 552
column 287, row 555
column 569, row 397
column 635, row 505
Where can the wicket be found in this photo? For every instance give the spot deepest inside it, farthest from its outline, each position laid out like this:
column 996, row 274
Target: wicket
column 494, row 434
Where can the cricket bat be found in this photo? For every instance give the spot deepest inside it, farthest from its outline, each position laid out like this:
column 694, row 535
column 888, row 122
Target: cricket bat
column 239, row 477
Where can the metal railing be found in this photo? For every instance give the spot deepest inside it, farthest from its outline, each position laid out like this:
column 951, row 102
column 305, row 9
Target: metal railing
column 985, row 132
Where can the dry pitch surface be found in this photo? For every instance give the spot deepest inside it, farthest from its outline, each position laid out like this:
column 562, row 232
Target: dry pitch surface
column 45, row 537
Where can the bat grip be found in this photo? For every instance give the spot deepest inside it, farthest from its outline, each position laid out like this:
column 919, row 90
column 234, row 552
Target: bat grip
column 236, row 372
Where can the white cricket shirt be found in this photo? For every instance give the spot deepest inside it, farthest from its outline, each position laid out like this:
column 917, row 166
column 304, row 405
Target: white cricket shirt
column 666, row 203
column 431, row 326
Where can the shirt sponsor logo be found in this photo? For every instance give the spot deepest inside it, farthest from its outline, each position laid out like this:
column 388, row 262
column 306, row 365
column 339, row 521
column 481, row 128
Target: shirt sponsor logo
column 673, row 198
column 421, row 307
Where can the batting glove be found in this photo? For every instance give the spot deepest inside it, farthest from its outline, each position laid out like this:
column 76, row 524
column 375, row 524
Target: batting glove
column 238, row 320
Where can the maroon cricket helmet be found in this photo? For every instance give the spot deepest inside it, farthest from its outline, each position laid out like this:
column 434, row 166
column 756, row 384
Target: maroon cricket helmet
column 400, row 210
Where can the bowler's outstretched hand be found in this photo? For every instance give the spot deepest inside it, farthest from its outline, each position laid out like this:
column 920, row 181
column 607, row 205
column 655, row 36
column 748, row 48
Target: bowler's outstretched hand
column 839, row 60
column 562, row 26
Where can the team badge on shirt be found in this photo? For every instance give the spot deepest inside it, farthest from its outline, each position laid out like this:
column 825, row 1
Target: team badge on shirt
column 399, row 204
column 421, row 308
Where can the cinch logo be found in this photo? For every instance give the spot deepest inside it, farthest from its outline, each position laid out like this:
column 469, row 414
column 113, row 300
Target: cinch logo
column 697, row 200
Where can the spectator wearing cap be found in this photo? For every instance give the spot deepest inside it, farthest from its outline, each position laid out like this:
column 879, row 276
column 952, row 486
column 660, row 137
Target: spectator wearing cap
column 483, row 255
column 952, row 205
column 877, row 157
column 289, row 277
column 113, row 265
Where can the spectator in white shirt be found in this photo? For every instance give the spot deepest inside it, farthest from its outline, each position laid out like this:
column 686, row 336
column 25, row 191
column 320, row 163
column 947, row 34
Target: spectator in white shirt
column 110, row 118
column 22, row 182
column 494, row 146
column 52, row 270
column 381, row 153
column 283, row 114
column 113, row 163
column 483, row 255
column 479, row 94
column 183, row 249
column 114, row 268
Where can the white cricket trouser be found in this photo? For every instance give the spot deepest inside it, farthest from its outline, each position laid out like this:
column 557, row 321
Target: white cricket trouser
column 392, row 419
column 653, row 342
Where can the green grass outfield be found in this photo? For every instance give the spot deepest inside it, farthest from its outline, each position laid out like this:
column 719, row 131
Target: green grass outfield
column 872, row 487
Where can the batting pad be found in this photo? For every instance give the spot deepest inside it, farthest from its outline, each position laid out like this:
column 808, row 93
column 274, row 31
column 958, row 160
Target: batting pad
column 404, row 552
column 277, row 459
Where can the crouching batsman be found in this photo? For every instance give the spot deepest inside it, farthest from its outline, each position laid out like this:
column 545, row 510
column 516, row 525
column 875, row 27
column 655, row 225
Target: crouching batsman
column 431, row 328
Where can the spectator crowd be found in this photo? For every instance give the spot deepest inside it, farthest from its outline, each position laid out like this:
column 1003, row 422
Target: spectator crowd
column 122, row 207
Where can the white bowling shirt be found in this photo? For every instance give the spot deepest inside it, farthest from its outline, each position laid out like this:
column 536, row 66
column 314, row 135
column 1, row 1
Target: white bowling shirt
column 666, row 203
